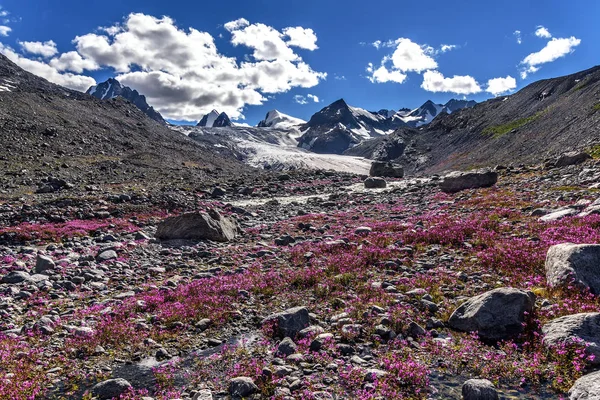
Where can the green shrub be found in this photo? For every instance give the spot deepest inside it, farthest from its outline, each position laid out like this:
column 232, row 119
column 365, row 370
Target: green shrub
column 500, row 130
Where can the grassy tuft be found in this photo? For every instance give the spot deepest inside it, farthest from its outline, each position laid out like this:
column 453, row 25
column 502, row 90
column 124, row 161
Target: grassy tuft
column 595, row 151
column 498, row 131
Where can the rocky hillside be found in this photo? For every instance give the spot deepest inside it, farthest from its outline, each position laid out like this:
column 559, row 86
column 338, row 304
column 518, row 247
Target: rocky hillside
column 542, row 120
column 77, row 138
column 112, row 88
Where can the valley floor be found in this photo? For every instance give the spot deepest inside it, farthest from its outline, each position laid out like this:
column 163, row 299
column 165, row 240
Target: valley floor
column 379, row 272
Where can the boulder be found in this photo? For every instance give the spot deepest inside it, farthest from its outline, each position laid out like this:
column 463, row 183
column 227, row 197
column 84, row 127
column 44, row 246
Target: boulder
column 494, row 315
column 584, row 327
column 571, row 158
column 289, row 322
column 15, row 277
column 286, row 347
column 458, row 180
column 112, row 388
column 375, row 183
column 199, row 226
column 241, row 387
column 586, row 388
column 43, row 263
column 479, row 389
column 386, row 170
column 577, row 264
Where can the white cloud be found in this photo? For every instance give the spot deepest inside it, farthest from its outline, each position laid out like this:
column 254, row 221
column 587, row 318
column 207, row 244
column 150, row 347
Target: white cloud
column 237, row 24
column 383, row 75
column 517, row 35
column 339, row 77
column 447, row 47
column 301, row 37
column 434, row 81
column 498, row 86
column 300, row 99
column 554, row 49
column 181, row 71
column 73, row 81
column 72, row 61
column 542, row 32
column 4, row 30
column 44, row 49
column 410, row 56
column 313, row 97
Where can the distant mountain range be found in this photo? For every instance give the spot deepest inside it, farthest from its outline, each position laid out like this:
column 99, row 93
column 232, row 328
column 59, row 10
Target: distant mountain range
column 111, row 89
column 214, row 119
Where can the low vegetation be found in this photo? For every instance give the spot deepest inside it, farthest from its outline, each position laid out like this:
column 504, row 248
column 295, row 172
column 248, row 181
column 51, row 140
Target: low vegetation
column 498, row 131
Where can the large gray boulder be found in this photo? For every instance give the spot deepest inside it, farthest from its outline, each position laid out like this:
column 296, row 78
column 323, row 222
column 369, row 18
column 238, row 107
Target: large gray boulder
column 577, row 264
column 459, row 180
column 479, row 389
column 584, row 328
column 199, row 226
column 112, row 388
column 386, row 170
column 494, row 315
column 586, row 388
column 289, row 322
column 43, row 263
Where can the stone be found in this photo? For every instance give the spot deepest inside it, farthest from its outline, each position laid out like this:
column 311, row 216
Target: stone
column 43, row 263
column 111, row 388
column 571, row 158
column 386, row 170
column 373, row 374
column 106, row 255
column 574, row 264
column 15, row 277
column 375, row 183
column 289, row 322
column 199, row 226
column 286, row 347
column 241, row 387
column 584, row 328
column 204, row 394
column 320, row 340
column 495, row 315
column 586, row 388
column 479, row 389
column 363, row 230
column 460, row 180
column 558, row 214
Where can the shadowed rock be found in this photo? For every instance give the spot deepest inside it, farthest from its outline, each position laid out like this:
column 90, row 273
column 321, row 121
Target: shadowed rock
column 479, row 389
column 386, row 170
column 576, row 328
column 494, row 315
column 289, row 322
column 199, row 226
column 576, row 264
column 459, row 180
column 112, row 388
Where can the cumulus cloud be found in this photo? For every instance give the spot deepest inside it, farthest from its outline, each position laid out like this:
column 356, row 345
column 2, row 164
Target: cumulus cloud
column 313, row 97
column 554, row 49
column 181, row 71
column 542, row 32
column 4, row 30
column 498, row 86
column 383, row 75
column 434, row 81
column 301, row 37
column 44, row 49
column 407, row 56
column 517, row 35
column 73, row 81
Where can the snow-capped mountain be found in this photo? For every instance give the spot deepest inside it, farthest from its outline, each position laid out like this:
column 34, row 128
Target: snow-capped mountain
column 112, row 88
column 276, row 119
column 429, row 110
column 214, row 119
column 386, row 113
column 339, row 126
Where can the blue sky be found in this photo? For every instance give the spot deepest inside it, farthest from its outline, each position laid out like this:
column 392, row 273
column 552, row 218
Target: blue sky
column 248, row 57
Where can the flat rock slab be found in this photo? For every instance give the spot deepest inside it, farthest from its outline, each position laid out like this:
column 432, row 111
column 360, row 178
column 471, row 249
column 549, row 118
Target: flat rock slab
column 574, row 264
column 459, row 180
column 584, row 327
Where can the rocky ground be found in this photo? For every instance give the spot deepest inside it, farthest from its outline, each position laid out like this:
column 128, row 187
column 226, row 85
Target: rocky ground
column 326, row 291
